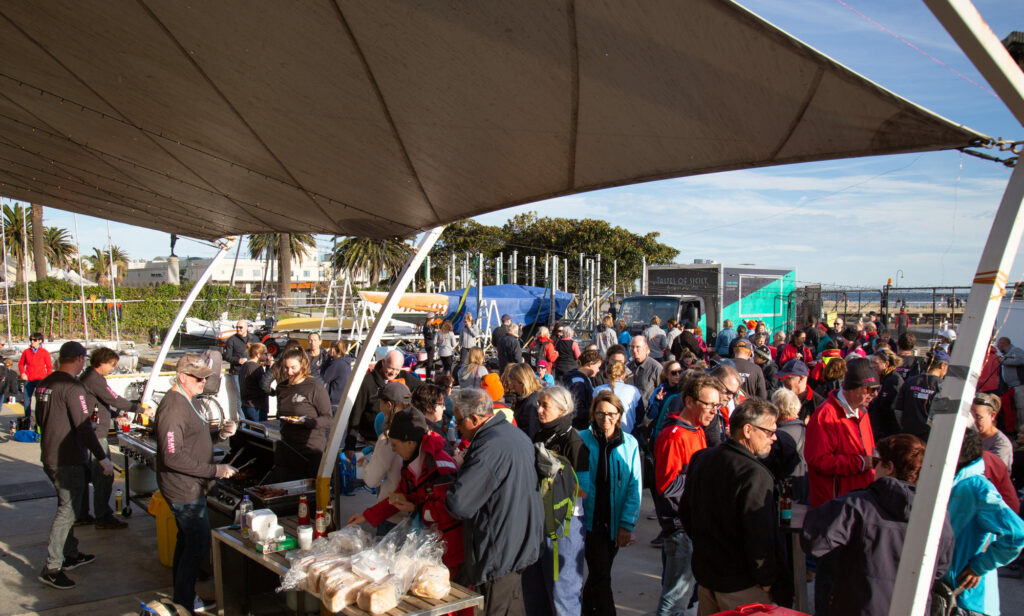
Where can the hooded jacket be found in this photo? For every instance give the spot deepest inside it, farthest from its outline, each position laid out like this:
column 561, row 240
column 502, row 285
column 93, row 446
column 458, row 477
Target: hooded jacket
column 988, row 535
column 620, row 475
column 869, row 525
column 836, row 451
column 496, row 494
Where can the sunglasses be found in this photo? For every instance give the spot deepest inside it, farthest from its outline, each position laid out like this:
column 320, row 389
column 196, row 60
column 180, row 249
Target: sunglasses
column 675, row 372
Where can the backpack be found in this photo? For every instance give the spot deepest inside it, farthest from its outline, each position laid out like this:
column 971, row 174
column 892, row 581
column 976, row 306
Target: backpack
column 559, row 487
column 537, row 353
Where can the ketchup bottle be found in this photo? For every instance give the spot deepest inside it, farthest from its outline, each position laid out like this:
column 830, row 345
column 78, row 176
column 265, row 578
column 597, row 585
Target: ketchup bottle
column 320, row 526
column 303, row 510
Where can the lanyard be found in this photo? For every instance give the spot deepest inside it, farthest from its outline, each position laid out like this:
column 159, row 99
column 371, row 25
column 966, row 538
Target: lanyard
column 187, row 397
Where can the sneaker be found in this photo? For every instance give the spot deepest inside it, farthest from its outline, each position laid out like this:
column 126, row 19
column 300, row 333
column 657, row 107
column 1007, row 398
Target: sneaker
column 77, row 561
column 85, row 520
column 111, row 523
column 652, row 516
column 56, row 579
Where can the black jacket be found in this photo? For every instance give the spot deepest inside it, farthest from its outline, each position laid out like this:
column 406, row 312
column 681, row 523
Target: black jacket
column 869, row 526
column 64, row 419
column 250, row 377
column 510, row 351
column 880, row 409
column 103, row 399
column 335, row 374
column 729, row 509
column 184, row 461
column 560, row 437
column 581, row 387
column 752, row 378
column 914, row 401
column 365, row 409
column 496, row 494
column 809, row 402
column 686, row 341
column 525, row 414
column 236, row 348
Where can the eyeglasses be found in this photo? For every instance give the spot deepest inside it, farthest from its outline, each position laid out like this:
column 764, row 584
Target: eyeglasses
column 872, row 390
column 730, row 393
column 770, row 433
column 711, row 406
column 605, row 416
column 200, row 379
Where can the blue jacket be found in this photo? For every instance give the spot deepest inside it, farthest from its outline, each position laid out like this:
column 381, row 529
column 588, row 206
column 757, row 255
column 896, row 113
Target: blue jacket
column 497, row 494
column 632, row 402
column 722, row 341
column 979, row 517
column 624, row 475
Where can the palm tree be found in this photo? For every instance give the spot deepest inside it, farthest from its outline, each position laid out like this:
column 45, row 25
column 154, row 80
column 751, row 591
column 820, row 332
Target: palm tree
column 61, row 252
column 269, row 245
column 99, row 264
column 378, row 258
column 14, row 232
column 38, row 242
column 120, row 258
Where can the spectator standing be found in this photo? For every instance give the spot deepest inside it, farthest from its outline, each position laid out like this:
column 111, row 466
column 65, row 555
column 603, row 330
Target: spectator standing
column 184, row 468
column 445, row 343
column 34, row 365
column 796, row 349
column 316, row 354
column 984, row 410
column 545, row 377
column 364, row 412
column 543, row 349
column 68, row 437
column 656, row 339
column 624, row 335
column 730, row 508
column 510, row 351
column 568, row 353
column 792, row 434
column 336, row 372
column 751, row 376
column 468, row 338
column 725, row 336
column 430, row 327
column 383, row 470
column 544, row 592
column 255, row 402
column 581, row 384
column 304, row 411
column 672, row 330
column 881, row 410
column 913, row 404
column 910, row 364
column 612, row 506
column 527, row 387
column 645, row 368
column 793, row 376
column 988, row 533
column 498, row 332
column 657, row 405
column 495, row 495
column 605, row 336
column 832, row 375
column 839, row 453
column 741, row 334
column 236, row 347
column 681, row 438
column 769, row 369
column 1012, row 373
column 615, row 380
column 687, row 341
column 869, row 526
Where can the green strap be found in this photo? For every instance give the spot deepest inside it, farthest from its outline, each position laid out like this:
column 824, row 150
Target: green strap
column 554, row 544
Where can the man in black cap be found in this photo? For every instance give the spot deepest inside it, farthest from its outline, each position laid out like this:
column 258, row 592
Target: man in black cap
column 501, row 330
column 913, row 406
column 793, row 376
column 68, row 436
column 360, row 422
column 185, row 468
column 763, row 360
column 750, row 373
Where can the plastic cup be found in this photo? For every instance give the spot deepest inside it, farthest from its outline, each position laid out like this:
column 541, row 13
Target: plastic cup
column 305, row 537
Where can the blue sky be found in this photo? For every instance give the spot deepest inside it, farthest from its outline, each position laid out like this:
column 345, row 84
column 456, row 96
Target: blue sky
column 851, row 222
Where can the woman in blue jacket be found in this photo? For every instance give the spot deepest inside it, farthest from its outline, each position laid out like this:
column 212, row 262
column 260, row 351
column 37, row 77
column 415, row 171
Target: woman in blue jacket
column 988, row 533
column 612, row 504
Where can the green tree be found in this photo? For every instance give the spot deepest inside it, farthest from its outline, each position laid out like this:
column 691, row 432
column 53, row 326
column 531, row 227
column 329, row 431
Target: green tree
column 99, row 264
column 15, row 233
column 61, row 252
column 270, row 246
column 380, row 259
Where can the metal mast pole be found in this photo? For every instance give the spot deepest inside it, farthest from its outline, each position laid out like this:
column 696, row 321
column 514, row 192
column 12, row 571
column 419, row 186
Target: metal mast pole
column 479, row 285
column 952, row 406
column 7, row 286
column 81, row 283
column 24, row 261
column 113, row 288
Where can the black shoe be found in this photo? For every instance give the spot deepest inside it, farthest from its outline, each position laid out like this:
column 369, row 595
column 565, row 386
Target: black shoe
column 56, row 579
column 111, row 523
column 658, row 541
column 77, row 561
column 85, row 520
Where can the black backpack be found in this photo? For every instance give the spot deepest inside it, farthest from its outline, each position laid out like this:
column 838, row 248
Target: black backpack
column 559, row 487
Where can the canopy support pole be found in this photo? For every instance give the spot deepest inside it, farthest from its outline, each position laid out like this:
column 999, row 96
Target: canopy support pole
column 113, row 289
column 225, row 245
column 339, row 425
column 952, row 407
column 7, row 285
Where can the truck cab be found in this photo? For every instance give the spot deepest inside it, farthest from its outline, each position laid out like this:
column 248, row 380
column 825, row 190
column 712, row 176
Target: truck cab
column 637, row 311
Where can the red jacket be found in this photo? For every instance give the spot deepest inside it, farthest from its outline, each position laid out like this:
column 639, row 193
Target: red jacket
column 550, row 354
column 997, row 473
column 426, row 487
column 37, row 365
column 789, row 352
column 836, row 450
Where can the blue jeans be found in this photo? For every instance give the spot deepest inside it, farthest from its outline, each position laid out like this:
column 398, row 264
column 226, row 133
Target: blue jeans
column 69, row 481
column 543, row 595
column 251, row 413
column 26, row 401
column 192, row 547
column 677, row 582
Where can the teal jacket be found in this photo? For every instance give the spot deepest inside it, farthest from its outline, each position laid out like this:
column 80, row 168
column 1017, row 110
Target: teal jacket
column 624, row 474
column 980, row 517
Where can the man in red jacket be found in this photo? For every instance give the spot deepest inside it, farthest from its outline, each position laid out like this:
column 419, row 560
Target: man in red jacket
column 34, row 366
column 840, row 454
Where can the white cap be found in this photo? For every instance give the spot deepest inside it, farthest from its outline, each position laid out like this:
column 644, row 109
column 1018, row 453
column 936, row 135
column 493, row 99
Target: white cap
column 948, row 334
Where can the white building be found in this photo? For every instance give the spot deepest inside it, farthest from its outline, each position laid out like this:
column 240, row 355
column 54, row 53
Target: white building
column 249, row 274
column 152, row 273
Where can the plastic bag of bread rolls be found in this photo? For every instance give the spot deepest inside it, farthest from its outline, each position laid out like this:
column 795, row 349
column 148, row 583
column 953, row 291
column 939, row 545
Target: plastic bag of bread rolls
column 341, row 589
column 379, row 597
column 432, row 582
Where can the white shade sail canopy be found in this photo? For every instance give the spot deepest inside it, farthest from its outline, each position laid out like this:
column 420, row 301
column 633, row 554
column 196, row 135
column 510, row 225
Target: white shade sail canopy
column 381, row 118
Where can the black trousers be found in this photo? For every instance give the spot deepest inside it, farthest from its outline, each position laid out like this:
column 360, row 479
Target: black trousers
column 600, row 551
column 503, row 596
column 429, row 369
column 447, row 364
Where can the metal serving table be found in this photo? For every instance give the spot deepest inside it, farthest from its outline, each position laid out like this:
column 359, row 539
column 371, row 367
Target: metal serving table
column 459, row 598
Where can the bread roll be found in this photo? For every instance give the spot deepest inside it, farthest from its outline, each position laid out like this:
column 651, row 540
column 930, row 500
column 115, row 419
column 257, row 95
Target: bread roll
column 378, row 598
column 342, row 590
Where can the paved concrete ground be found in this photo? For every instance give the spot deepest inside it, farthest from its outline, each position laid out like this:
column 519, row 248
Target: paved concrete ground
column 127, row 572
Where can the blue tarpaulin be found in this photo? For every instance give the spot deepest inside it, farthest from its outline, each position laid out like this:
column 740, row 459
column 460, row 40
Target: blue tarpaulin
column 524, row 304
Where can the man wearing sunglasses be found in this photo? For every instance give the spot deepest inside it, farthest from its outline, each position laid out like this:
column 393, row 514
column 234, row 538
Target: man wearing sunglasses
column 184, row 469
column 840, row 453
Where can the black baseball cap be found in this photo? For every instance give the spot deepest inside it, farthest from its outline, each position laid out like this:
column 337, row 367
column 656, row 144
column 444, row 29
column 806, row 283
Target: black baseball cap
column 71, row 350
column 793, row 367
column 409, row 424
column 860, row 373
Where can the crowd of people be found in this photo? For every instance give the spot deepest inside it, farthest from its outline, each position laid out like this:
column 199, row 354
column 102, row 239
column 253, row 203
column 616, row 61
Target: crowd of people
column 532, row 466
